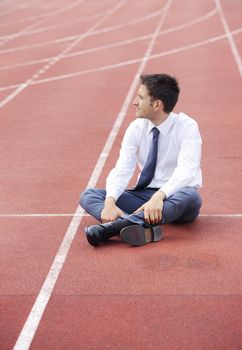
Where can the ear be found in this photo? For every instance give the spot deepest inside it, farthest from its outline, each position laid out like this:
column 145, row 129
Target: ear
column 158, row 105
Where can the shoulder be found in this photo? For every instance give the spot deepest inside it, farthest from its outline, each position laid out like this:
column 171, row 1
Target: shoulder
column 138, row 123
column 135, row 131
column 186, row 126
column 137, row 127
column 184, row 120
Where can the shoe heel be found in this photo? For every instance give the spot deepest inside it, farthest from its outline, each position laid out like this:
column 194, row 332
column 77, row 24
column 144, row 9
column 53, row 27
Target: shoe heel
column 148, row 235
column 157, row 233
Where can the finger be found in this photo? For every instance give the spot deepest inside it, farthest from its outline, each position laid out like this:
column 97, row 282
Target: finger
column 159, row 216
column 156, row 217
column 147, row 217
column 105, row 220
column 152, row 218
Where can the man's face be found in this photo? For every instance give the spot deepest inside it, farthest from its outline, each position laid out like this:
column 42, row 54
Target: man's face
column 144, row 104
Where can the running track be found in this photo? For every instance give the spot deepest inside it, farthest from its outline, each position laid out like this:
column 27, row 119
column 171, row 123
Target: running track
column 68, row 75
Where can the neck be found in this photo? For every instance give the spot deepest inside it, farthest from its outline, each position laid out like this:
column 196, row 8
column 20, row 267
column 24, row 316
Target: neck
column 160, row 119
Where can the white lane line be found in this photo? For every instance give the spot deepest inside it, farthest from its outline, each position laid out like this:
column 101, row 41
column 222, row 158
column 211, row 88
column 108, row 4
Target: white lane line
column 87, row 18
column 129, row 62
column 94, row 33
column 29, row 18
column 61, row 55
column 136, row 60
column 230, row 38
column 18, row 89
column 125, row 63
column 117, row 44
column 25, row 338
column 10, row 37
column 16, row 8
column 53, row 27
column 26, row 215
column 40, row 215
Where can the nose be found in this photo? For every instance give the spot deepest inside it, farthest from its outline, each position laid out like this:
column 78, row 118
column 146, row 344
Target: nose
column 135, row 101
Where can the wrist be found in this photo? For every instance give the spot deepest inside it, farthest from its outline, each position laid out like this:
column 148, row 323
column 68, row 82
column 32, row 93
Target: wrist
column 110, row 201
column 161, row 195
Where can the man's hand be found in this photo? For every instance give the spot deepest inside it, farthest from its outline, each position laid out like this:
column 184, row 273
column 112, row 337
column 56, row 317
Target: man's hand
column 110, row 211
column 153, row 208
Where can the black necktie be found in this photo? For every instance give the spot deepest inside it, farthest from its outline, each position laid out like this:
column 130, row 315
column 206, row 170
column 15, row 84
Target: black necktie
column 148, row 171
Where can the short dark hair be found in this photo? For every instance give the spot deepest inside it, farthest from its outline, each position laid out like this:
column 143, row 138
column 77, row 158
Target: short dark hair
column 162, row 87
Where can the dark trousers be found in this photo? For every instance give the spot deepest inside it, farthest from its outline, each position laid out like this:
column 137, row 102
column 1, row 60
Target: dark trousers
column 182, row 207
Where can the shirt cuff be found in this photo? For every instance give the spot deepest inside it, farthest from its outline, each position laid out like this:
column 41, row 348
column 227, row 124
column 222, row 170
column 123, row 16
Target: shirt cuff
column 167, row 190
column 112, row 193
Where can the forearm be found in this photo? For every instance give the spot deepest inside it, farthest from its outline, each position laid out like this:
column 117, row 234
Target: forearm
column 119, row 177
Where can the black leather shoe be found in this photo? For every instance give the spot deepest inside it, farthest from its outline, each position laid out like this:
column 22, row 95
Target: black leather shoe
column 95, row 234
column 138, row 235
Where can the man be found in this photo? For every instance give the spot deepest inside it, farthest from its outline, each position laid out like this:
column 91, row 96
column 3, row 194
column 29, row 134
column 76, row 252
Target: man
column 167, row 148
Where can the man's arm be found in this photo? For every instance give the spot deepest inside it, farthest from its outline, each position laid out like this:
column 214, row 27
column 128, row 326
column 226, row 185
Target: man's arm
column 187, row 171
column 119, row 177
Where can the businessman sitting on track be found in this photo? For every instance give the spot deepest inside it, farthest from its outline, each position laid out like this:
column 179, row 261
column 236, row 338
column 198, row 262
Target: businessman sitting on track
column 167, row 148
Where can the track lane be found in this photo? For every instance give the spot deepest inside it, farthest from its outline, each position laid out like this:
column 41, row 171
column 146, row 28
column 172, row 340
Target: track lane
column 185, row 260
column 142, row 322
column 26, row 252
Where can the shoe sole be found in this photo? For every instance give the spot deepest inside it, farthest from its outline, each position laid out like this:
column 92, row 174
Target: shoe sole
column 137, row 235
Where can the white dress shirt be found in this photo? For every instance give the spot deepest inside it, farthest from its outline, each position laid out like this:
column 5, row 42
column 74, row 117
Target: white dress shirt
column 178, row 159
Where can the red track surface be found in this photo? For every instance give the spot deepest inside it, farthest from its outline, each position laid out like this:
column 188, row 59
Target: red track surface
column 182, row 293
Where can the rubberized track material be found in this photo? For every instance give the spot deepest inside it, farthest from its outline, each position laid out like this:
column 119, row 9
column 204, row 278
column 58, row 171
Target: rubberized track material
column 68, row 74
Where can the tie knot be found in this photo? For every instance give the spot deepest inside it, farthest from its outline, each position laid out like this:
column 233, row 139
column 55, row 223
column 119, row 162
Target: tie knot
column 155, row 132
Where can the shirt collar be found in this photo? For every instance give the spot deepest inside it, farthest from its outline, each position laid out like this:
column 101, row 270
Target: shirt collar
column 165, row 126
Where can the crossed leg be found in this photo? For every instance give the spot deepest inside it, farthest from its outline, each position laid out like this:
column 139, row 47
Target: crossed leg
column 182, row 207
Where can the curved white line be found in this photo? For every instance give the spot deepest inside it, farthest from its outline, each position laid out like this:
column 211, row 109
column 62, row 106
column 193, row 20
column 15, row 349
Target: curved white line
column 97, row 32
column 118, row 44
column 23, row 20
column 155, row 56
column 129, row 62
column 16, row 8
column 231, row 41
column 61, row 55
column 51, row 15
column 54, row 27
